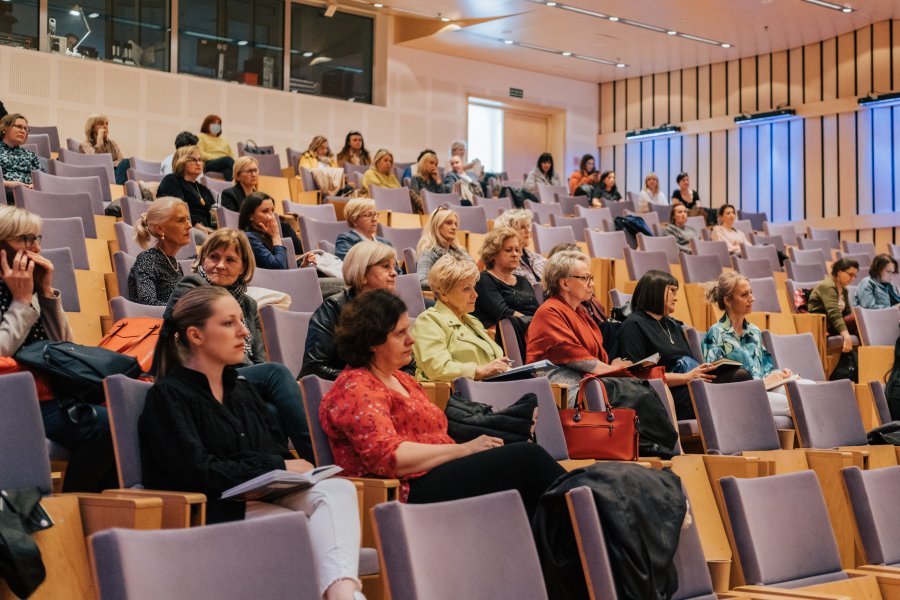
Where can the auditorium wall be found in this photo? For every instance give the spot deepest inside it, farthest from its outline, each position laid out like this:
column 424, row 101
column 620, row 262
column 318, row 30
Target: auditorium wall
column 835, row 166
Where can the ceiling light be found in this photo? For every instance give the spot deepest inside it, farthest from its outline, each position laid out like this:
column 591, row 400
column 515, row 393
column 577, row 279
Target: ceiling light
column 583, row 11
column 551, row 4
column 831, row 5
column 445, row 19
column 614, row 19
column 656, row 132
column 378, row 5
column 621, row 65
column 770, row 116
column 670, row 32
column 726, row 45
column 74, row 12
column 93, row 15
column 846, row 9
column 873, row 100
column 508, row 42
column 242, row 42
column 567, row 53
column 554, row 51
column 307, row 54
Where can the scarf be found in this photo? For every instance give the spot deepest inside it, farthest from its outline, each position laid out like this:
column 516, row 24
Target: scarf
column 37, row 332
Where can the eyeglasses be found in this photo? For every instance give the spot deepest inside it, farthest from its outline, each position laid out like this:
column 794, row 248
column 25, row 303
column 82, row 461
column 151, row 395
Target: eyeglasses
column 195, row 160
column 251, row 171
column 29, row 240
column 22, row 127
column 851, row 273
column 584, row 278
column 369, row 215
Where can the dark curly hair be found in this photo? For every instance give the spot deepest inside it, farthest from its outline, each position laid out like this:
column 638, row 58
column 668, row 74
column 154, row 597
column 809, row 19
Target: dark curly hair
column 365, row 322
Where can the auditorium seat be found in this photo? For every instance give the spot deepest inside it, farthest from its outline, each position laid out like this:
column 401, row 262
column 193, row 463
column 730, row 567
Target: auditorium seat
column 51, row 131
column 832, row 236
column 393, row 199
column 493, row 206
column 409, row 290
column 752, row 268
column 45, row 182
column 58, row 206
column 547, row 193
column 606, row 244
column 578, row 224
column 757, row 219
column 877, row 326
column 880, row 400
column 471, row 218
column 433, row 200
column 663, row 211
column 595, row 216
column 570, row 204
column 867, row 248
column 699, row 269
column 42, row 143
column 797, row 352
column 640, row 262
column 320, row 212
column 786, row 231
column 805, row 271
column 762, row 252
column 145, row 166
column 542, row 211
column 873, row 495
column 665, row 244
column 313, row 231
column 301, row 284
column 121, row 307
column 148, row 176
column 546, row 237
column 61, row 169
column 814, row 244
column 89, row 160
column 718, row 249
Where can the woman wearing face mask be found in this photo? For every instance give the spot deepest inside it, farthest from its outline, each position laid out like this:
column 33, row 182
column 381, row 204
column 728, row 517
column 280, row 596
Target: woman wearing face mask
column 678, row 228
column 354, row 151
column 438, row 239
column 215, row 150
column 264, row 230
column 226, row 261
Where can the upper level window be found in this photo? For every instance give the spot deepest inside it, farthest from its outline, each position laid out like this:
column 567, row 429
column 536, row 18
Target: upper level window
column 236, row 40
column 331, row 56
column 19, row 23
column 133, row 32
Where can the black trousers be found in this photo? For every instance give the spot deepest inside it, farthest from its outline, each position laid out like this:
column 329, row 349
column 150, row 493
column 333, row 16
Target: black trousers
column 524, row 466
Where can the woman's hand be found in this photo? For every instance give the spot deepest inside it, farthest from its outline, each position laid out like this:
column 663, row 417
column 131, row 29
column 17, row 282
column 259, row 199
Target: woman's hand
column 298, row 465
column 19, row 277
column 43, row 273
column 308, row 260
column 848, row 343
column 700, row 372
column 270, row 225
column 482, row 442
column 495, row 367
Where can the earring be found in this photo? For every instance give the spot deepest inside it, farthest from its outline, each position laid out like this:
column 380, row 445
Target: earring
column 163, row 236
column 365, row 281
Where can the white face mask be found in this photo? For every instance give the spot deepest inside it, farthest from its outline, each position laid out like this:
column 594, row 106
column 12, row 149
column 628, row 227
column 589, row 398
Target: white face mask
column 215, row 129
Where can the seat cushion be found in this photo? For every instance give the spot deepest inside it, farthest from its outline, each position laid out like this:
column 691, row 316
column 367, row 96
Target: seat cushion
column 368, row 561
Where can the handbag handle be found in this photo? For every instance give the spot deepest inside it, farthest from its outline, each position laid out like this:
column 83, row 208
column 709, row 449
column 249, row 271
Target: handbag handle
column 134, row 343
column 580, row 402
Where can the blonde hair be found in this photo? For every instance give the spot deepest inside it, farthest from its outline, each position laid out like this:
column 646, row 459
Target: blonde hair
column 230, row 238
column 242, row 163
column 648, row 176
column 89, row 125
column 382, row 152
column 723, row 287
column 159, row 211
column 513, row 218
column 316, row 142
column 448, row 271
column 559, row 266
column 356, row 207
column 493, row 243
column 430, row 234
column 362, row 256
column 181, row 156
column 421, row 164
column 16, row 221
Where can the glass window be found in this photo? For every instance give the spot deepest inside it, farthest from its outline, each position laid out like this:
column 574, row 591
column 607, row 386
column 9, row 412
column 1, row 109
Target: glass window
column 486, row 136
column 237, row 40
column 331, row 56
column 19, row 23
column 131, row 32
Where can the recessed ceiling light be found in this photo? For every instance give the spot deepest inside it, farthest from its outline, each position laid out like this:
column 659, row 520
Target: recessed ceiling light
column 551, row 4
column 378, row 5
column 846, row 9
column 73, row 12
column 833, row 6
column 307, row 54
column 614, row 19
column 726, row 45
column 93, row 15
column 508, row 42
column 671, row 32
column 621, row 65
column 445, row 19
column 567, row 53
column 242, row 42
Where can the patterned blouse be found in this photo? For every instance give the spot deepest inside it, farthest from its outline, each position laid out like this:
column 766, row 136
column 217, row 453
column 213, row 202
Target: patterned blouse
column 153, row 277
column 366, row 421
column 721, row 341
column 17, row 163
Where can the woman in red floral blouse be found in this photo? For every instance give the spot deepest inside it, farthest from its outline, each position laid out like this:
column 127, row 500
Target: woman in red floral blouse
column 379, row 421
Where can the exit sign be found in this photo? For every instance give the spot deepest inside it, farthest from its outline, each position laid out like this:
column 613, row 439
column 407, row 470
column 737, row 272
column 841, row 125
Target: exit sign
column 516, row 93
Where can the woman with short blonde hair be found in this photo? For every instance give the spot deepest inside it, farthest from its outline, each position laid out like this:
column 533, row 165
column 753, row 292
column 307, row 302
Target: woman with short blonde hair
column 438, row 238
column 381, row 172
column 362, row 217
column 156, row 270
column 246, row 178
column 182, row 182
column 531, row 264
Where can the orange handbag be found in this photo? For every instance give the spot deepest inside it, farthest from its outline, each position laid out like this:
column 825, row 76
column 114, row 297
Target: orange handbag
column 134, row 336
column 603, row 435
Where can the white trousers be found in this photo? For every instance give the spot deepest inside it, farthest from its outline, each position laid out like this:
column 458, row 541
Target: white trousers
column 333, row 512
column 778, row 399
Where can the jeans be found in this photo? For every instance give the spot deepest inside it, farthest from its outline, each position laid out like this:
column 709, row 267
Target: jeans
column 281, row 392
column 91, row 461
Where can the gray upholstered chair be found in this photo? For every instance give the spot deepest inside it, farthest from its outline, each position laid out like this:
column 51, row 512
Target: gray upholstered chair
column 765, row 294
column 542, row 211
column 873, row 496
column 663, row 211
column 66, row 232
column 826, row 414
column 877, row 326
column 50, row 130
column 804, row 271
column 546, row 237
column 569, row 203
column 595, row 216
column 606, row 244
column 787, row 232
column 757, row 219
column 718, row 249
column 122, row 308
column 409, row 290
column 471, row 218
column 640, row 262
column 881, row 404
column 434, row 199
column 664, row 243
column 815, row 244
column 796, row 352
column 401, row 237
column 226, row 217
column 809, row 255
column 320, row 212
column 578, row 224
column 45, row 182
column 510, row 341
column 313, row 231
column 268, row 557
column 301, row 284
column 64, row 277
column 493, row 206
column 867, row 248
column 547, row 193
column 768, row 253
column 132, row 209
column 52, row 205
column 23, row 450
column 427, row 549
column 284, row 333
column 752, row 268
column 829, row 235
column 618, row 299
column 88, row 160
column 147, row 166
column 394, row 199
column 699, row 269
column 61, row 169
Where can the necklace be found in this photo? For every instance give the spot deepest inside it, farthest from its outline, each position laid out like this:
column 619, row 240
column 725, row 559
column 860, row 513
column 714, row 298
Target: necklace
column 170, row 260
column 197, row 191
column 666, row 330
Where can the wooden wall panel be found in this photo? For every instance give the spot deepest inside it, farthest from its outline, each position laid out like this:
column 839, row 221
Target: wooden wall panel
column 812, row 73
column 812, row 168
column 688, row 94
column 830, row 166
column 864, row 164
column 863, row 61
column 795, row 77
column 846, row 131
column 733, row 102
column 620, row 106
column 618, row 159
column 846, row 66
column 796, row 170
column 633, row 103
column 780, row 79
column 701, row 180
column 780, row 168
column 882, row 167
column 748, row 84
column 883, row 237
column 719, row 91
column 703, row 89
column 764, row 169
column 764, row 74
column 646, row 101
column 675, row 115
column 661, row 99
column 748, row 159
column 881, row 57
column 661, row 160
column 734, row 166
column 607, row 155
column 607, row 114
column 829, row 69
column 718, row 168
column 689, row 158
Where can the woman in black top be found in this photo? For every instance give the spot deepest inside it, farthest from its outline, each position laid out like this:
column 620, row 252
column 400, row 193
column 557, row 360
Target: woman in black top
column 187, row 166
column 156, row 270
column 607, row 190
column 683, row 194
column 650, row 329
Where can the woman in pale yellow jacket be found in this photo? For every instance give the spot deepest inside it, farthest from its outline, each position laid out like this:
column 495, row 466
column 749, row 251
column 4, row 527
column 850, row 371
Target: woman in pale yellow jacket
column 381, row 172
column 318, row 155
column 449, row 342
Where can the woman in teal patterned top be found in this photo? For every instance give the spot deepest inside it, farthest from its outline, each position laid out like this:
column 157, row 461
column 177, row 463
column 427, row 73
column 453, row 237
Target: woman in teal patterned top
column 735, row 338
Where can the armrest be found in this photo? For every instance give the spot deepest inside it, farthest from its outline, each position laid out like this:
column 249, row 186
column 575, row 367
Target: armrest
column 180, row 509
column 763, row 592
column 99, row 512
column 560, row 394
column 438, row 392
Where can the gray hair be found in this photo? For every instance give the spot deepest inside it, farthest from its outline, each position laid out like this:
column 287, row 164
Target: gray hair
column 362, row 256
column 560, row 266
column 514, row 218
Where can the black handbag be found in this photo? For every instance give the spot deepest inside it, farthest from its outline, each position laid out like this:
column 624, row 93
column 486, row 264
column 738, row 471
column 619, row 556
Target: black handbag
column 846, row 368
column 21, row 566
column 466, row 420
column 885, row 435
column 250, row 147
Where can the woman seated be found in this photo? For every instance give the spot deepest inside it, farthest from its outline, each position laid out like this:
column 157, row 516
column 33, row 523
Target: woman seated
column 562, row 331
column 650, row 329
column 31, row 311
column 531, row 264
column 501, row 293
column 368, row 266
column 246, row 178
column 16, row 163
column 607, row 192
column 878, row 290
column 214, row 149
column 438, row 239
column 97, row 141
column 735, row 338
column 187, row 167
column 651, row 194
column 830, row 298
column 583, row 182
column 264, row 230
column 542, row 173
column 157, row 270
column 205, row 429
column 426, row 176
column 362, row 217
column 684, row 194
column 379, row 421
column 381, row 172
column 354, row 151
column 678, row 228
column 318, row 155
column 450, row 342
column 226, row 261
column 725, row 231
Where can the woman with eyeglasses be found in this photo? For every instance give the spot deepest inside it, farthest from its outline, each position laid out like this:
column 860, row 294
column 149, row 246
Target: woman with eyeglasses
column 878, row 290
column 187, row 167
column 31, row 311
column 438, row 239
column 831, row 299
column 354, row 151
column 362, row 217
column 215, row 150
column 16, row 163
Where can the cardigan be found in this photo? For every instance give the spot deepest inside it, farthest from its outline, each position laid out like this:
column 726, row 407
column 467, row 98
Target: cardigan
column 17, row 321
column 498, row 300
column 682, row 235
column 733, row 237
column 447, row 347
column 108, row 147
column 824, row 300
column 536, row 176
column 311, row 161
column 348, row 239
column 425, row 261
column 213, row 146
column 152, row 278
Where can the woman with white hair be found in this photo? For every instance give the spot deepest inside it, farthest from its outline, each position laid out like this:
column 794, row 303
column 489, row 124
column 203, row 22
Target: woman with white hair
column 367, row 266
column 362, row 217
column 531, row 264
column 156, row 270
column 438, row 239
column 450, row 342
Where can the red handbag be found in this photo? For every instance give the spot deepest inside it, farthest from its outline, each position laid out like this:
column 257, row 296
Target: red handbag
column 601, row 435
column 134, row 336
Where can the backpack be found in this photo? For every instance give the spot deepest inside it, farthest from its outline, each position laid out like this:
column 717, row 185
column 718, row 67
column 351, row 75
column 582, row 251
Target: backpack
column 633, row 224
column 801, row 299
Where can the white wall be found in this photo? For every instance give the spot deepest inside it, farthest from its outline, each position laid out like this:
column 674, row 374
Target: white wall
column 426, row 99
